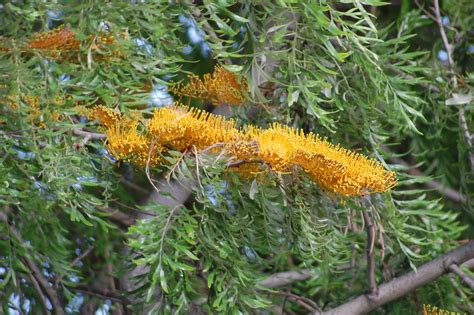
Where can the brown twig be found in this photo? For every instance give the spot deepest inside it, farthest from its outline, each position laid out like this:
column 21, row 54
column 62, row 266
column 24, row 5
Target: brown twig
column 284, row 278
column 35, row 270
column 82, row 256
column 302, row 301
column 369, row 225
column 117, row 216
column 133, row 186
column 466, row 279
column 101, row 294
column 40, row 293
column 75, row 262
column 89, row 135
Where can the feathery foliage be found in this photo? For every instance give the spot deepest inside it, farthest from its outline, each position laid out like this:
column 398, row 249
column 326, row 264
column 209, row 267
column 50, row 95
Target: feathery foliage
column 90, row 140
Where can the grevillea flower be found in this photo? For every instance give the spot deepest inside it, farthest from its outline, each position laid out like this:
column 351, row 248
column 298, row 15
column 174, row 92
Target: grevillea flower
column 61, row 42
column 55, row 42
column 275, row 146
column 182, row 128
column 61, row 38
column 106, row 116
column 333, row 167
column 220, row 87
column 280, row 147
column 126, row 143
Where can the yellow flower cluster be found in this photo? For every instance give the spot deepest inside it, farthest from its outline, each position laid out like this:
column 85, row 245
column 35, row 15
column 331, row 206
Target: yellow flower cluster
column 280, row 147
column 106, row 116
column 434, row 310
column 125, row 142
column 182, row 127
column 332, row 166
column 219, row 87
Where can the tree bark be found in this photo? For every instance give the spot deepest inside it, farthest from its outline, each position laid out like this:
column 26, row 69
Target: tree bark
column 401, row 286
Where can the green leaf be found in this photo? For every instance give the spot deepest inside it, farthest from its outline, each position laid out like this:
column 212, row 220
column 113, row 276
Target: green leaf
column 459, row 99
column 253, row 189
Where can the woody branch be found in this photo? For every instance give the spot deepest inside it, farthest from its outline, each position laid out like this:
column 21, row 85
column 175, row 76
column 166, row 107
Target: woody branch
column 403, row 285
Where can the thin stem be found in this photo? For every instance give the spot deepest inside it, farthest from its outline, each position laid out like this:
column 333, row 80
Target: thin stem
column 442, row 32
column 82, row 256
column 370, row 227
column 89, row 135
column 35, row 271
column 281, row 279
column 466, row 279
column 40, row 293
column 302, row 301
column 101, row 294
column 147, row 169
column 449, row 51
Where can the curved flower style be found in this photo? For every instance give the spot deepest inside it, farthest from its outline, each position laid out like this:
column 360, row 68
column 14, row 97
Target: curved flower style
column 280, row 147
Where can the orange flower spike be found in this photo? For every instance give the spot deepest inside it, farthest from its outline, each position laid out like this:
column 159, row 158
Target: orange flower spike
column 339, row 169
column 215, row 129
column 60, row 39
column 220, row 87
column 282, row 148
column 225, row 87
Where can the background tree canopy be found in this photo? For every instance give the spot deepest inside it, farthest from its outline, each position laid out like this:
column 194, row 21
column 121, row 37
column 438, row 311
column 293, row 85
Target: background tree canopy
column 115, row 199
